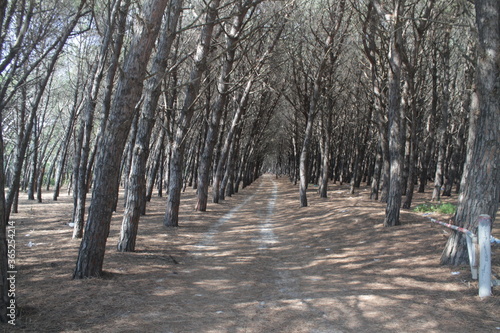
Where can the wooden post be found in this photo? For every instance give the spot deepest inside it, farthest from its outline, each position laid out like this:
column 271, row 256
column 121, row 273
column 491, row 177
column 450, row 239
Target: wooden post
column 483, row 234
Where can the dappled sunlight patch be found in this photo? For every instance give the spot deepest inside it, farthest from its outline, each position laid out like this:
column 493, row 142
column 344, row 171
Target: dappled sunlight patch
column 330, row 267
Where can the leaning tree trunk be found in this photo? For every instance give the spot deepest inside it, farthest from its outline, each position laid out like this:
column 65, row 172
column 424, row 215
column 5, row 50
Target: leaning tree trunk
column 127, row 95
column 230, row 163
column 90, row 103
column 63, row 150
column 480, row 188
column 373, row 53
column 238, row 114
column 232, row 40
column 155, row 162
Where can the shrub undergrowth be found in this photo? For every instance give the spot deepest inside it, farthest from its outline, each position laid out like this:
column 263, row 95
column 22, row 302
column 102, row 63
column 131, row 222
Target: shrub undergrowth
column 442, row 208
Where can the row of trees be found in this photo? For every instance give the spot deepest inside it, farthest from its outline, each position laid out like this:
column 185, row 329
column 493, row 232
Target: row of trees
column 398, row 92
column 172, row 93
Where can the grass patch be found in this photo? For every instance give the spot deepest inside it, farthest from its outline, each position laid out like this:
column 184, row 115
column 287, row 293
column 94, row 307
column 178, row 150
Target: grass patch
column 442, row 208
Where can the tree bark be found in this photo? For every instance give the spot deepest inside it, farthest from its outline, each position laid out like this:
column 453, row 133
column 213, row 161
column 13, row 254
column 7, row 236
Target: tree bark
column 373, row 53
column 325, row 142
column 238, row 114
column 63, row 151
column 186, row 114
column 232, row 40
column 443, row 124
column 480, row 185
column 396, row 137
column 128, row 93
column 90, row 103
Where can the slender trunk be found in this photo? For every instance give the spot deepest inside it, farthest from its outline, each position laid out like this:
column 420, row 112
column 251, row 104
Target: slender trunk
column 325, row 152
column 127, row 95
column 376, row 174
column 443, row 124
column 34, row 164
column 410, row 187
column 63, row 150
column 128, row 153
column 177, row 159
column 75, row 175
column 81, row 183
column 232, row 39
column 239, row 113
column 155, row 165
column 230, row 164
column 396, row 135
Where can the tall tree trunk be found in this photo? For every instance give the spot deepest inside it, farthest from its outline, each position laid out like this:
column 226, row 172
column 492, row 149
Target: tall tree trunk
column 311, row 114
column 193, row 87
column 480, row 188
column 410, row 187
column 377, row 170
column 230, row 163
column 232, row 39
column 443, row 124
column 329, row 57
column 127, row 95
column 155, row 164
column 90, row 103
column 396, row 135
column 76, row 169
column 238, row 114
column 373, row 53
column 63, row 150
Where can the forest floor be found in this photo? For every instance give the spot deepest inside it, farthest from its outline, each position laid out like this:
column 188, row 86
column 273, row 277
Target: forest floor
column 254, row 263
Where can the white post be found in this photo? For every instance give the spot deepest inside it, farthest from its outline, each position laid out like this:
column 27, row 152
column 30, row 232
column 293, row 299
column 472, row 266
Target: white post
column 483, row 234
column 473, row 257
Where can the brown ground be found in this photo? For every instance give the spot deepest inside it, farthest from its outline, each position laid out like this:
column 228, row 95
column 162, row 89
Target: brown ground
column 255, row 263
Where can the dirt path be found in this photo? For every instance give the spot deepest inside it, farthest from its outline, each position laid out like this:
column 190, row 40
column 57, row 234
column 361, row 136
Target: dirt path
column 255, row 263
column 248, row 259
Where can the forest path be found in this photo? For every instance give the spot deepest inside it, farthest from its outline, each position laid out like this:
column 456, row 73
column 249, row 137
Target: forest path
column 248, row 258
column 267, row 265
column 255, row 263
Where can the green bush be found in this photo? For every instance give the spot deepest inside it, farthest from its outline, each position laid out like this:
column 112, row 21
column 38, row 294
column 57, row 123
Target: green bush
column 447, row 208
column 443, row 208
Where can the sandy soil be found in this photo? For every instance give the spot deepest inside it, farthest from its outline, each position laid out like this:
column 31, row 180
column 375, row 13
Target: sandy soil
column 255, row 263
